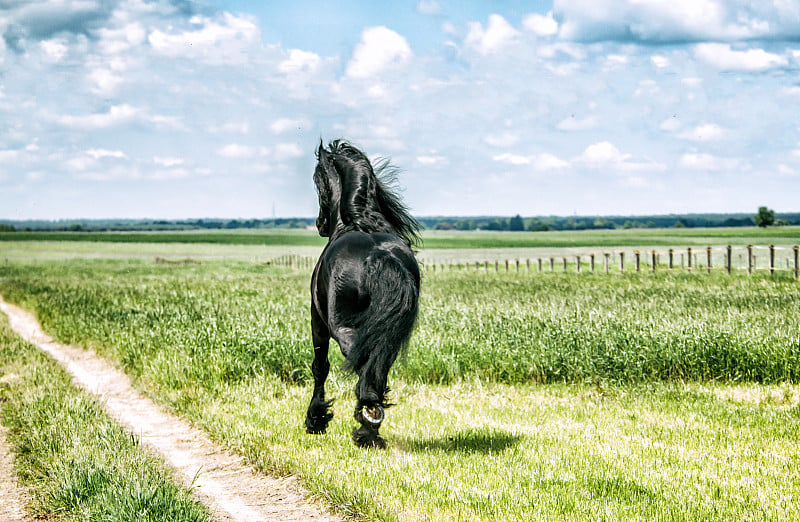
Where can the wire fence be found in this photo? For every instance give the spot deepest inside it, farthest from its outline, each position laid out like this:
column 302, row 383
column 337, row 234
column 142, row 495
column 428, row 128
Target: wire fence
column 750, row 258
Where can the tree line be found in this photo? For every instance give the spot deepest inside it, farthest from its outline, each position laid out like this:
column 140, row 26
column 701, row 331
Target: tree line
column 539, row 224
column 764, row 217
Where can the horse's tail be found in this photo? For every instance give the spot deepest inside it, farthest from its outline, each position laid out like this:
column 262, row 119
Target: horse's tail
column 385, row 326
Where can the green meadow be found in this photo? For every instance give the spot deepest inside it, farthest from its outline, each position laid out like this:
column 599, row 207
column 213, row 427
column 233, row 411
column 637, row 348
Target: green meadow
column 522, row 396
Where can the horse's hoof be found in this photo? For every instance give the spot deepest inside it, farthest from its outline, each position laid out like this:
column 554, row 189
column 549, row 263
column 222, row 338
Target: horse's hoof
column 318, row 425
column 365, row 437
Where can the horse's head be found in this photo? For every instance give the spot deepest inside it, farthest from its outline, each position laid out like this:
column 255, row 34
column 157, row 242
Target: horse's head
column 352, row 197
column 326, row 179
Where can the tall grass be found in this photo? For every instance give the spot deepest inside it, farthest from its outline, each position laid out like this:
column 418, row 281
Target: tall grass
column 514, row 328
column 221, row 322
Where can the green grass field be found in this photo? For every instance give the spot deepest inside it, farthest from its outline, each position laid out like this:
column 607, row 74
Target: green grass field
column 446, row 240
column 667, row 396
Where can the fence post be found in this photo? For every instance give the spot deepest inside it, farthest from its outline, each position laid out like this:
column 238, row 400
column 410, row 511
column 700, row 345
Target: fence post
column 749, row 259
column 689, row 255
column 564, row 259
column 539, row 262
column 622, row 262
column 578, row 263
column 796, row 256
column 729, row 252
column 607, row 263
column 552, row 264
column 708, row 257
column 654, row 260
column 636, row 258
column 671, row 252
column 591, row 262
column 771, row 259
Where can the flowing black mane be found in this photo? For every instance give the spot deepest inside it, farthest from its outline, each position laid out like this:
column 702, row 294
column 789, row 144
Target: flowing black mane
column 354, row 196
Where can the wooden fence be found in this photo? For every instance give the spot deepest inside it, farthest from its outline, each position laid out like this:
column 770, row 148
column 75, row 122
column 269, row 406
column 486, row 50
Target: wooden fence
column 728, row 258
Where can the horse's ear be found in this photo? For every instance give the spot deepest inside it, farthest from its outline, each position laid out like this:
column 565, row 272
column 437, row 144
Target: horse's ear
column 325, row 161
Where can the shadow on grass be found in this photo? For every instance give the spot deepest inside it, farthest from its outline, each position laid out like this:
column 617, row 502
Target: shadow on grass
column 483, row 441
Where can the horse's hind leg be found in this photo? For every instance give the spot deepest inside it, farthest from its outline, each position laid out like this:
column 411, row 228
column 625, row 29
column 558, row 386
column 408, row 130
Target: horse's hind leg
column 370, row 392
column 319, row 411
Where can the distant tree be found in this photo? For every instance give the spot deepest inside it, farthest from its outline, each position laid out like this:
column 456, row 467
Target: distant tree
column 602, row 222
column 515, row 224
column 765, row 217
column 497, row 224
column 537, row 225
column 465, row 224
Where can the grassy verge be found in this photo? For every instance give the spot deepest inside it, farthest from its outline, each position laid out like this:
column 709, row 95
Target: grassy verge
column 78, row 464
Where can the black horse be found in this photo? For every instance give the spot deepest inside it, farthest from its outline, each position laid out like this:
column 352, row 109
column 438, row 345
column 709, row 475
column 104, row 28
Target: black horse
column 365, row 287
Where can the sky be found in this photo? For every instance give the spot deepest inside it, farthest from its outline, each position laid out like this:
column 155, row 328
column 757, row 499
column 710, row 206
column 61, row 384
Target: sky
column 176, row 109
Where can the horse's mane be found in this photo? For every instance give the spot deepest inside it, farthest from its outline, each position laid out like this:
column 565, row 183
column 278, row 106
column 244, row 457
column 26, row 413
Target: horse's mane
column 367, row 199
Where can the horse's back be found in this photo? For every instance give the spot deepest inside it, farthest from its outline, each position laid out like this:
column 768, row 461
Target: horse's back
column 364, row 273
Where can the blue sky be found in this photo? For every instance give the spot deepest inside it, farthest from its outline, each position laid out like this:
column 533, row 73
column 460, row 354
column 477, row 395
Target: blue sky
column 179, row 109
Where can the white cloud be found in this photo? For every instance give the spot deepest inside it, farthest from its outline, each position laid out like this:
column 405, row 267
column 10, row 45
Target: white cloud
column 285, row 125
column 218, row 41
column 502, row 139
column 116, row 115
column 235, row 150
column 605, row 155
column 431, row 160
column 7, row 156
column 691, row 82
column 119, row 40
column 428, row 7
column 539, row 162
column 615, row 61
column 380, row 49
column 706, row 132
column 287, row 151
column 167, row 161
column 723, row 57
column 602, row 153
column 707, row 162
column 104, row 82
column 660, row 61
column 103, row 153
column 498, row 34
column 676, row 20
column 577, row 124
column 541, row 25
column 670, row 124
column 55, row 49
column 300, row 61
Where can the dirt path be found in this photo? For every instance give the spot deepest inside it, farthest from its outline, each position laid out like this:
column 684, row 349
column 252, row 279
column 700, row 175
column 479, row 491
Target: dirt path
column 13, row 497
column 231, row 489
